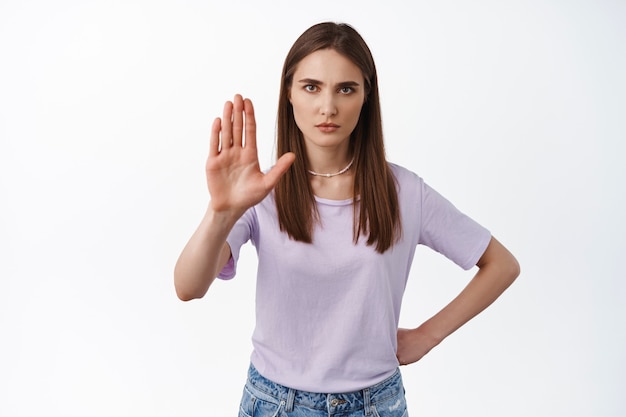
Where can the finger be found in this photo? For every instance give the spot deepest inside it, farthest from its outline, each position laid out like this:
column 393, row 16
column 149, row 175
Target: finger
column 237, row 120
column 214, row 143
column 227, row 126
column 250, row 124
column 278, row 170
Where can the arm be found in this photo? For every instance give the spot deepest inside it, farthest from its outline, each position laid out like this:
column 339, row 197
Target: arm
column 235, row 184
column 498, row 268
column 204, row 256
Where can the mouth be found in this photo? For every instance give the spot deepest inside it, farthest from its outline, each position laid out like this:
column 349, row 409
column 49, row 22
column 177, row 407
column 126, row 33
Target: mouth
column 327, row 127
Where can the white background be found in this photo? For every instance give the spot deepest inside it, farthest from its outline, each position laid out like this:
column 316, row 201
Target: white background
column 514, row 110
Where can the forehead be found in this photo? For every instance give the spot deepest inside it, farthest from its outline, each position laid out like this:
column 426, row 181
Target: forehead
column 328, row 66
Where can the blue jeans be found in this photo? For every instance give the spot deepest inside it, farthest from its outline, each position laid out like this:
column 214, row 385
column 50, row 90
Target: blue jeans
column 264, row 398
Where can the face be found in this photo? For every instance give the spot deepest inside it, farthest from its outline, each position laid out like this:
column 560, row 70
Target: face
column 327, row 92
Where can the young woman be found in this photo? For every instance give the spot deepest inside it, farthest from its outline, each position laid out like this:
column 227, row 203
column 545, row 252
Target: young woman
column 335, row 226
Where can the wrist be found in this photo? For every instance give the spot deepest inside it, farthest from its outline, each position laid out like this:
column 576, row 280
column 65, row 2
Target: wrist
column 429, row 334
column 223, row 218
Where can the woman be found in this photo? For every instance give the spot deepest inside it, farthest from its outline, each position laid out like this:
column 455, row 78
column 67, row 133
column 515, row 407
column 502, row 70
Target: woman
column 335, row 227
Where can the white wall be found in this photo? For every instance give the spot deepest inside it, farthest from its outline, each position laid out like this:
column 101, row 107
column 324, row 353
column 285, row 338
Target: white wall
column 512, row 109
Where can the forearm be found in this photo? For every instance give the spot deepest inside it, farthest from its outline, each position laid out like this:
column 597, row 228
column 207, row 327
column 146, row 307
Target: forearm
column 497, row 271
column 486, row 286
column 204, row 256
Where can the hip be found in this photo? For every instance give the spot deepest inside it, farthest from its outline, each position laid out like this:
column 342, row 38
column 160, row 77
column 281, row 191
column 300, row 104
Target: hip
column 265, row 398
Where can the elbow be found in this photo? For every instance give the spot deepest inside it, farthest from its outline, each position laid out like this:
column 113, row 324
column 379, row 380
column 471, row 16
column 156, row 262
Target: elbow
column 184, row 296
column 514, row 269
column 501, row 261
column 511, row 269
column 184, row 291
column 518, row 269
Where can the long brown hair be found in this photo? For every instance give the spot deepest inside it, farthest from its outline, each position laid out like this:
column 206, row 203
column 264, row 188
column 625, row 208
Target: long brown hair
column 375, row 201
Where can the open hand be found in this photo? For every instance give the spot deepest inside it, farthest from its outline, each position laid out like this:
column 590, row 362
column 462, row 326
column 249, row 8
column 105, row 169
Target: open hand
column 234, row 177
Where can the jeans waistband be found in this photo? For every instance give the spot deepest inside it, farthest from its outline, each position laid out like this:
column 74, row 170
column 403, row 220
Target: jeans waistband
column 336, row 402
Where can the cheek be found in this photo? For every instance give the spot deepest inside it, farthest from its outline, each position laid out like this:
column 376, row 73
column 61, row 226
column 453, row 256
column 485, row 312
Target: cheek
column 303, row 109
column 297, row 103
column 355, row 111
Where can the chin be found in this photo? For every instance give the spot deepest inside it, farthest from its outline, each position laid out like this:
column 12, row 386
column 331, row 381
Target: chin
column 332, row 139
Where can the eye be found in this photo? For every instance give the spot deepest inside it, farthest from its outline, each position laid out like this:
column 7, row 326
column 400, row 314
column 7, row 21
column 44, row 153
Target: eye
column 310, row 88
column 346, row 90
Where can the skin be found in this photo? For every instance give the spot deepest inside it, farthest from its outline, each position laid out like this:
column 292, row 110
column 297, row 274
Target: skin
column 327, row 88
column 497, row 271
column 235, row 183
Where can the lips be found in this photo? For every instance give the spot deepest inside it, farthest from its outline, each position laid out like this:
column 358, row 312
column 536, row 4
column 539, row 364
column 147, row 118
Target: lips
column 327, row 127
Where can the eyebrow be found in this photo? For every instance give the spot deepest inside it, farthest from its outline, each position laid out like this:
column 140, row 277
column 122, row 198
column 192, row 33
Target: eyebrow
column 317, row 82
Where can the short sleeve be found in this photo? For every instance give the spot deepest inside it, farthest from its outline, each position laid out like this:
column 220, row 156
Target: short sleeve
column 450, row 232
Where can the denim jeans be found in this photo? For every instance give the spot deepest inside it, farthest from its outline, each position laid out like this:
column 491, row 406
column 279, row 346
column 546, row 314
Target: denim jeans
column 264, row 398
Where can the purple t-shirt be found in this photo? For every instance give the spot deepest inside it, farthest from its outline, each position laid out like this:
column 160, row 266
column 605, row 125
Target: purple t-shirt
column 327, row 312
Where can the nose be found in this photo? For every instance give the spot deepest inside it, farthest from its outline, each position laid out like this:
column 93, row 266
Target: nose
column 328, row 107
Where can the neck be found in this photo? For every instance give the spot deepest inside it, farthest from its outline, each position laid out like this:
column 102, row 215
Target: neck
column 328, row 160
column 332, row 174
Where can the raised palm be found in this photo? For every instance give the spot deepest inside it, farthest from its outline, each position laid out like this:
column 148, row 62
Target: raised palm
column 233, row 173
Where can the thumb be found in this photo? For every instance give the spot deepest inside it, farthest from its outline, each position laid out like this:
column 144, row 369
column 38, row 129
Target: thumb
column 278, row 170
